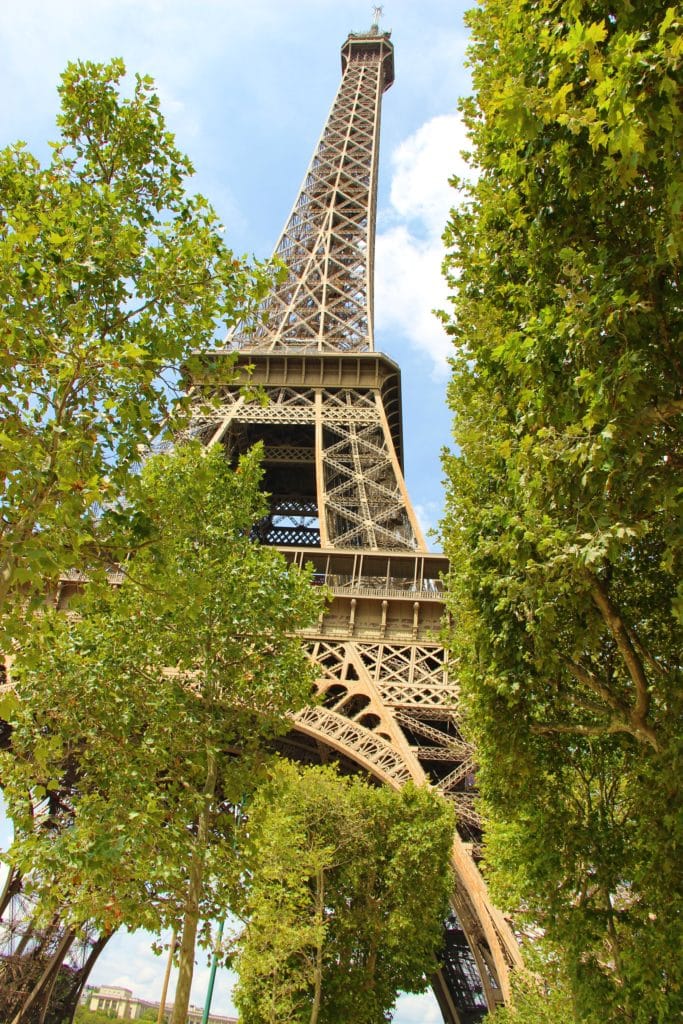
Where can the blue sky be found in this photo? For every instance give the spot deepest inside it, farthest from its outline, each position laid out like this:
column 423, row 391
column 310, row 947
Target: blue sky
column 246, row 86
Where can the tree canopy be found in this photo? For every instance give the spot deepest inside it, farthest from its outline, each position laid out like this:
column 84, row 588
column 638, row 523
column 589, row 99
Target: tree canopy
column 143, row 713
column 563, row 521
column 345, row 889
column 111, row 275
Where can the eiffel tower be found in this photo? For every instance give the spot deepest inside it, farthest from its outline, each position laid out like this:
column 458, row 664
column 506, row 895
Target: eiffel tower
column 333, row 453
column 332, row 437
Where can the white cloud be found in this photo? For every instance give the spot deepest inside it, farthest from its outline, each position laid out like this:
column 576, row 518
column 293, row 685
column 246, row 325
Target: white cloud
column 429, row 514
column 423, row 1009
column 409, row 285
column 422, row 166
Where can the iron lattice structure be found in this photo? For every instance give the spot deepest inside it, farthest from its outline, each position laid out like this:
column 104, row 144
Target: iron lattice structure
column 43, row 968
column 44, row 965
column 331, row 432
column 333, row 462
column 325, row 301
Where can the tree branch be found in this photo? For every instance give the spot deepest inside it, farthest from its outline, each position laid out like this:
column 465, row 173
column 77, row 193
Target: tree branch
column 648, row 658
column 586, row 705
column 663, row 413
column 633, row 663
column 608, row 728
column 589, row 679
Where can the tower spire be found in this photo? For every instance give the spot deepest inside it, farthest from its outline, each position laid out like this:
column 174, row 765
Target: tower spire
column 325, row 302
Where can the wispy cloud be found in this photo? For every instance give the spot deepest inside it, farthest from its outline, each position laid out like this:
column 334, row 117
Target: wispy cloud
column 428, row 514
column 409, row 285
column 422, row 166
column 408, row 288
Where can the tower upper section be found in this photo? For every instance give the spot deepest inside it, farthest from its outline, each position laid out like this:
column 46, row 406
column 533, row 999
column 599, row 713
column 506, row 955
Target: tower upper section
column 325, row 301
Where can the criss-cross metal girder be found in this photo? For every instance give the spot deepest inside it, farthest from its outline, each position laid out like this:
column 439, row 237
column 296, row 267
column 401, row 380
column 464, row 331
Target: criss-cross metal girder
column 324, row 302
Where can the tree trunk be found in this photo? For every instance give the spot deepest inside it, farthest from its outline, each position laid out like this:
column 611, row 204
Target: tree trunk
column 194, row 892
column 167, row 978
column 319, row 920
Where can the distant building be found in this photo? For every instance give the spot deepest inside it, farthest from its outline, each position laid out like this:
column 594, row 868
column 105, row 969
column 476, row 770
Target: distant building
column 122, row 1002
column 116, row 1000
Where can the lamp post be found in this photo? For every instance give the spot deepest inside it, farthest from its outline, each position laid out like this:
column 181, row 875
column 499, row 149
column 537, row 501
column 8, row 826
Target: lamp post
column 219, row 936
column 167, row 975
column 212, row 975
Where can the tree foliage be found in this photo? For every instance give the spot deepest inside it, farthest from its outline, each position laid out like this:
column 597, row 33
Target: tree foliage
column 84, row 1015
column 141, row 720
column 111, row 274
column 563, row 523
column 345, row 891
column 540, row 996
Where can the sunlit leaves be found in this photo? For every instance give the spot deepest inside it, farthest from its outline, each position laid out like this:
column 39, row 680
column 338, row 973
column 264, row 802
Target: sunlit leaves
column 563, row 525
column 111, row 275
column 122, row 706
column 345, row 889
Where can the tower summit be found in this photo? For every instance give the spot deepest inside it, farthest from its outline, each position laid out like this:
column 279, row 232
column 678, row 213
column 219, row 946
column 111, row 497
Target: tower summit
column 332, row 430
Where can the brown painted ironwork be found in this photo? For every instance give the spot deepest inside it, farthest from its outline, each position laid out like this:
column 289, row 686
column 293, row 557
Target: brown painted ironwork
column 43, row 966
column 331, row 431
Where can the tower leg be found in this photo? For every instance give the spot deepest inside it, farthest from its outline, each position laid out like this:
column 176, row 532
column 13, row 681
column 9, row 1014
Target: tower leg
column 42, row 969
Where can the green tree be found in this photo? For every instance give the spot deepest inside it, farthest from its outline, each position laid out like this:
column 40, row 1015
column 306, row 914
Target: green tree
column 111, row 274
column 345, row 892
column 141, row 721
column 533, row 1005
column 84, row 1015
column 541, row 996
column 563, row 521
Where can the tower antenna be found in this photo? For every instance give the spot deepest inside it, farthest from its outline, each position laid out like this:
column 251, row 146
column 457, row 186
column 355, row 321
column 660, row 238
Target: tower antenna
column 377, row 13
